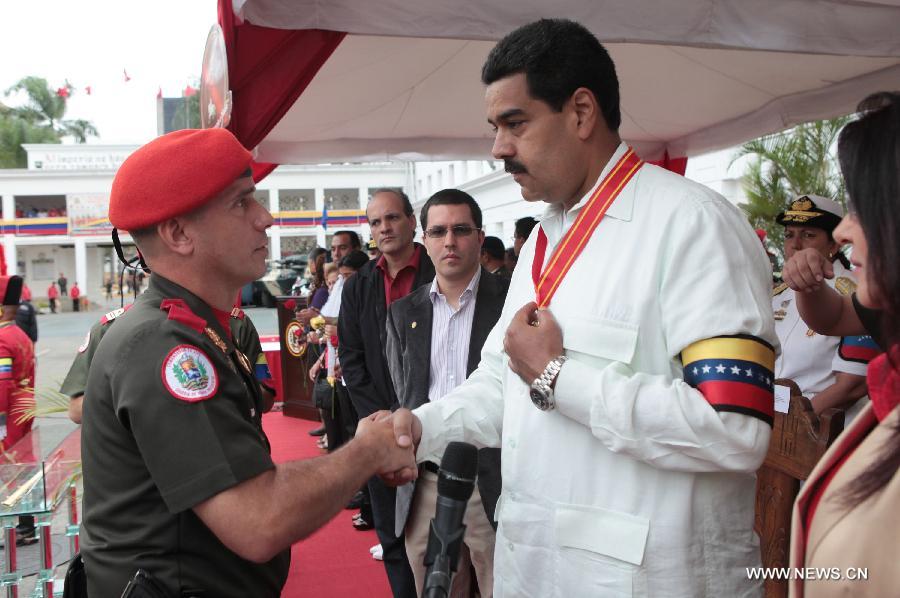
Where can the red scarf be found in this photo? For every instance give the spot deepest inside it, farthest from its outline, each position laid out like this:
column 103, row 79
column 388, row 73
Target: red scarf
column 884, row 383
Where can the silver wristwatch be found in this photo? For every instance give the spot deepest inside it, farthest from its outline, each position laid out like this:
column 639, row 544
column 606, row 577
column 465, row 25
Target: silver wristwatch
column 542, row 387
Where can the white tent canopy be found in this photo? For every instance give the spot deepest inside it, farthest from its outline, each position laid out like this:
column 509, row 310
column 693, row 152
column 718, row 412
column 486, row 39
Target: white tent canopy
column 695, row 75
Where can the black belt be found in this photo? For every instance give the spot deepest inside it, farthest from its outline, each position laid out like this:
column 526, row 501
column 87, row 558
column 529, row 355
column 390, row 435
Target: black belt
column 431, row 466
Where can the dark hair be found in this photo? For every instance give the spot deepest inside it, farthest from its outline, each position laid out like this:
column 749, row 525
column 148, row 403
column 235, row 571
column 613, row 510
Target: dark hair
column 451, row 197
column 319, row 275
column 353, row 236
column 493, row 246
column 356, row 259
column 524, row 226
column 407, row 206
column 557, row 57
column 869, row 154
column 314, row 253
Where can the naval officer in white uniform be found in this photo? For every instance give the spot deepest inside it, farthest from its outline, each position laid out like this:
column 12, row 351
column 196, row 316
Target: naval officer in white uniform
column 830, row 370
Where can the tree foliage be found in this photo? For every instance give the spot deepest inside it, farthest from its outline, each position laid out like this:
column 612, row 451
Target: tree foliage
column 38, row 120
column 788, row 164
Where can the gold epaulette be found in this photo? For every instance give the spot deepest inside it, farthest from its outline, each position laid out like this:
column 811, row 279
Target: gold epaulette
column 845, row 286
column 779, row 289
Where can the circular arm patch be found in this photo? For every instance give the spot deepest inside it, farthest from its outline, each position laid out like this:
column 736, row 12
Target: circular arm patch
column 87, row 341
column 189, row 374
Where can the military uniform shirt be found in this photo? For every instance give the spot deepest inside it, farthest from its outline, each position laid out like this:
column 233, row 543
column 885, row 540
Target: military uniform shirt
column 171, row 421
column 76, row 379
column 808, row 358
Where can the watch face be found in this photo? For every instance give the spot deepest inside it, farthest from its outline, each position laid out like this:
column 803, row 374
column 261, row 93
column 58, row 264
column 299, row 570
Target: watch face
column 539, row 399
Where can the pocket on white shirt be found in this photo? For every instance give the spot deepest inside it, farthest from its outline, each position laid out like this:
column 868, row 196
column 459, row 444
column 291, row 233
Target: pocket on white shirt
column 610, row 340
column 600, row 551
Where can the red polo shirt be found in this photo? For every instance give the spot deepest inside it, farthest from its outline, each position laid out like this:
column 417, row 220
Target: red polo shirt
column 401, row 285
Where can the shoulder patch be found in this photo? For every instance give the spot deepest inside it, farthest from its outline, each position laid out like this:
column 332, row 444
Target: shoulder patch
column 179, row 311
column 87, row 341
column 189, row 375
column 861, row 349
column 115, row 314
column 779, row 289
column 238, row 313
column 844, row 285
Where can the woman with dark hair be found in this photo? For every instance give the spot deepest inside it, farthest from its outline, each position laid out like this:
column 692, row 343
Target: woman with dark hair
column 318, row 287
column 846, row 518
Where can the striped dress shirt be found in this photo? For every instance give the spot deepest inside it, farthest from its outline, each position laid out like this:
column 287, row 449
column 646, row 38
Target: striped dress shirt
column 450, row 334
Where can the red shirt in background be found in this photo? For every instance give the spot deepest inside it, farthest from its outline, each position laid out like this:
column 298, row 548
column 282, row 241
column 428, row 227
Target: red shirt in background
column 16, row 381
column 401, row 285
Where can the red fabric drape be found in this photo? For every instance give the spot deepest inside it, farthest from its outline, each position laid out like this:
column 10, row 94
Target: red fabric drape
column 268, row 69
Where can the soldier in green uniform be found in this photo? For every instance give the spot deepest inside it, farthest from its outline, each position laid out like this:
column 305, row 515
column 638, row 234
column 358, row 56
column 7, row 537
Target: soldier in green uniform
column 178, row 480
column 76, row 378
column 246, row 338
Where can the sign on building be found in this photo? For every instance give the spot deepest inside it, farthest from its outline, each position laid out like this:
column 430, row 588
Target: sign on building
column 88, row 214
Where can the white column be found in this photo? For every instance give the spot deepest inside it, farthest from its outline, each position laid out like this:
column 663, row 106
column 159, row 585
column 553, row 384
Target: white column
column 363, row 197
column 81, row 265
column 275, row 243
column 9, row 252
column 275, row 231
column 9, row 207
column 274, row 200
column 320, row 205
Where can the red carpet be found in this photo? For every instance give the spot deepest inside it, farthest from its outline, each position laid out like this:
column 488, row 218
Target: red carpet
column 334, row 561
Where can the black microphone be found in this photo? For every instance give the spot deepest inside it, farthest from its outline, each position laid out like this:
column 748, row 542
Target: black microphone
column 456, row 482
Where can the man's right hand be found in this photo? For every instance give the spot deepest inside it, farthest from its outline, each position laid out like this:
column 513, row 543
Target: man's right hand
column 806, row 269
column 392, row 461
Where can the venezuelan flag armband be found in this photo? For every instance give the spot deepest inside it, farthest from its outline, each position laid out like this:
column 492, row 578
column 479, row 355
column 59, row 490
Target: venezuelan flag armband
column 861, row 349
column 261, row 369
column 6, row 367
column 733, row 373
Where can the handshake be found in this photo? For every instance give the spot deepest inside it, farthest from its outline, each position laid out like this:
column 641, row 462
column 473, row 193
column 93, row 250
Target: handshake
column 390, row 440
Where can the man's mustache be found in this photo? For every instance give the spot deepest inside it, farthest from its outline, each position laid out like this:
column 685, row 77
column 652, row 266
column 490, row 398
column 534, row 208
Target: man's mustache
column 513, row 167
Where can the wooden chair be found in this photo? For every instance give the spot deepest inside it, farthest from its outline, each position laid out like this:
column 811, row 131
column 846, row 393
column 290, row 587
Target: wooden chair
column 799, row 439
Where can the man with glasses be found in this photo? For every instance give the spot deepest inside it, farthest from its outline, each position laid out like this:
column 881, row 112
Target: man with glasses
column 402, row 267
column 435, row 335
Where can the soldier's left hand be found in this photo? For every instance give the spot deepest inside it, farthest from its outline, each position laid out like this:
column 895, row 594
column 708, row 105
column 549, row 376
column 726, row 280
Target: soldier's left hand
column 532, row 340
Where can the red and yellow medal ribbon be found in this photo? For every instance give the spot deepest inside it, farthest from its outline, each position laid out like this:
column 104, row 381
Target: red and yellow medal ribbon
column 572, row 244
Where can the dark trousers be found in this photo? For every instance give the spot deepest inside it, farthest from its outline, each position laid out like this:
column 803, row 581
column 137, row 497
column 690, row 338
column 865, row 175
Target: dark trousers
column 52, row 306
column 396, row 563
column 75, row 305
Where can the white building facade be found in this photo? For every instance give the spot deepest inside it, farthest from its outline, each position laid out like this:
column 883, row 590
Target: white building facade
column 501, row 201
column 54, row 212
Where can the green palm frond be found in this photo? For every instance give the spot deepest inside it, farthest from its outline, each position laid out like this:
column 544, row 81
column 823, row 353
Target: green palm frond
column 46, row 401
column 797, row 161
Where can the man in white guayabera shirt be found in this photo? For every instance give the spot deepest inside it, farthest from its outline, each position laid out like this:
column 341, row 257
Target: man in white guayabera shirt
column 629, row 378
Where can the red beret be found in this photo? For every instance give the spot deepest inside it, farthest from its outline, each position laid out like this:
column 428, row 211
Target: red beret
column 175, row 174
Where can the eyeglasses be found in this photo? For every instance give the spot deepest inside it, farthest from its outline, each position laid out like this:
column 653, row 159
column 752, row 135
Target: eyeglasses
column 460, row 230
